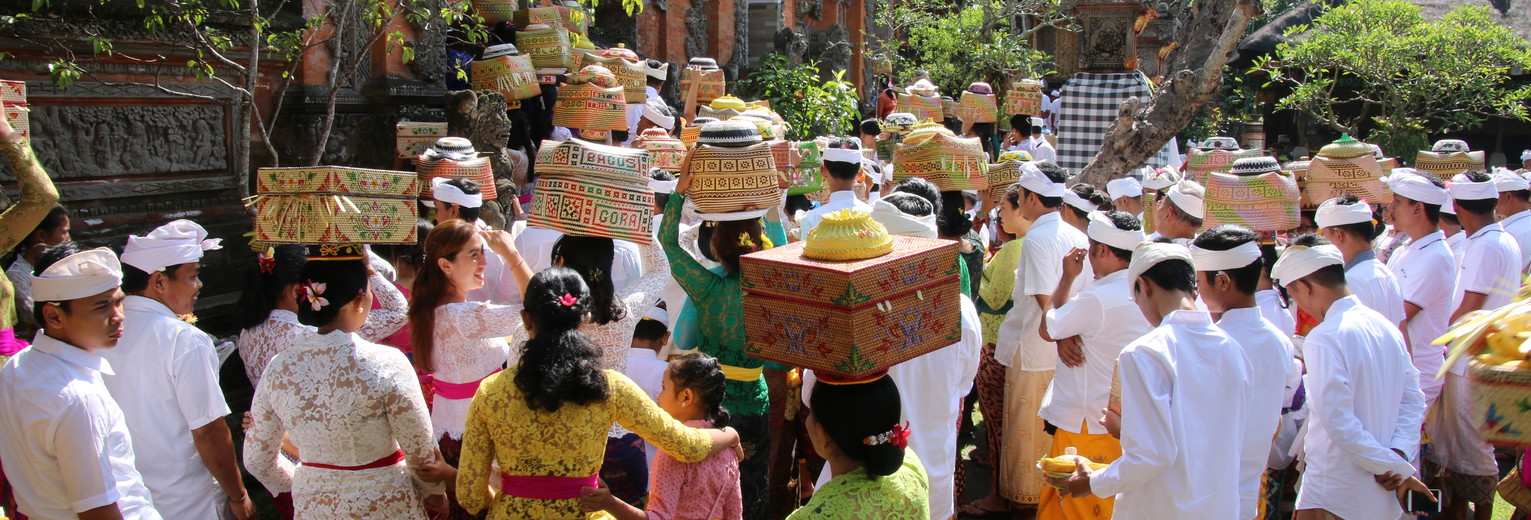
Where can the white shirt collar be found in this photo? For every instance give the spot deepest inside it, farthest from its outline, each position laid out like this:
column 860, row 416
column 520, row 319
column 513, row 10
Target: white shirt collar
column 146, row 304
column 841, row 197
column 285, row 316
column 1049, row 217
column 1340, row 306
column 1502, row 222
column 1485, row 230
column 1111, row 276
column 71, row 354
column 1426, row 240
column 1242, row 314
column 1191, row 318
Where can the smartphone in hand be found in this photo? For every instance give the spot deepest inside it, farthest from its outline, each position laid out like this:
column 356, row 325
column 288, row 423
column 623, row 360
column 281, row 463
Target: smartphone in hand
column 1416, row 502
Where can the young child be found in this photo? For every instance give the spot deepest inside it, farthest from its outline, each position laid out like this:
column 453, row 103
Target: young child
column 708, row 490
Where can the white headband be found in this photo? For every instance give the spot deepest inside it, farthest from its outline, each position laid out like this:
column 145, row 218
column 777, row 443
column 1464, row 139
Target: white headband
column 1124, row 187
column 658, row 314
column 900, row 223
column 177, row 242
column 653, row 114
column 1526, row 155
column 1150, row 254
column 1331, row 213
column 86, row 273
column 1162, row 178
column 661, row 72
column 1101, row 229
column 1036, row 182
column 843, row 155
column 1506, row 180
column 1190, row 204
column 1238, row 257
column 450, row 194
column 1073, row 199
column 1463, row 189
column 1407, row 182
column 1298, row 261
column 662, row 186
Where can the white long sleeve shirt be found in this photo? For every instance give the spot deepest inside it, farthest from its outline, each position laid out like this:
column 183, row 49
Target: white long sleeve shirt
column 1374, row 284
column 1184, row 386
column 1019, row 343
column 1078, row 394
column 1364, row 402
column 1270, row 366
column 1421, row 268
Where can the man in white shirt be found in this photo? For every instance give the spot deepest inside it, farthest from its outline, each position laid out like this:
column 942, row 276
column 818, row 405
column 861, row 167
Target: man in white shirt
column 1422, row 268
column 1037, row 145
column 1180, row 212
column 1087, row 351
column 1363, row 395
column 1184, row 388
column 1020, row 346
column 1348, row 223
column 1488, row 278
column 1127, row 195
column 1514, row 210
column 1229, row 267
column 841, row 164
column 166, row 379
column 67, row 450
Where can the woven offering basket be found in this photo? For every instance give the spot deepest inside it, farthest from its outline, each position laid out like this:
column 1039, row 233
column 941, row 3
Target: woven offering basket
column 632, row 75
column 665, row 152
column 978, row 108
column 574, row 21
column 806, row 178
column 495, row 11
column 590, row 107
column 689, row 135
column 334, row 205
column 1199, row 163
column 411, row 138
column 1361, row 176
column 1265, row 202
column 512, row 76
column 1002, row 175
column 727, row 180
column 712, row 85
column 14, row 93
column 586, row 189
column 856, row 317
column 548, row 47
column 1501, row 400
column 1024, row 98
column 477, row 169
column 924, row 108
column 951, row 163
column 1448, row 164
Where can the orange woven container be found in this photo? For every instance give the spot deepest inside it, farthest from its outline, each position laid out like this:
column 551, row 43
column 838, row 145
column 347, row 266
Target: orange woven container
column 1360, row 176
column 590, row 107
column 726, row 180
column 1025, row 98
column 512, row 76
column 923, row 107
column 951, row 163
column 712, row 83
column 852, row 318
column 632, row 75
column 335, row 205
column 977, row 108
column 477, row 169
column 689, row 135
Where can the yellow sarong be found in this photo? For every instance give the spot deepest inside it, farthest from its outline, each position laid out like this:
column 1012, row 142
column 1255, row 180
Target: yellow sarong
column 1102, row 448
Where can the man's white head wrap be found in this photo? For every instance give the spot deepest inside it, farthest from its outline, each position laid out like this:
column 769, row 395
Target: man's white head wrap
column 177, row 242
column 83, row 274
column 1298, row 261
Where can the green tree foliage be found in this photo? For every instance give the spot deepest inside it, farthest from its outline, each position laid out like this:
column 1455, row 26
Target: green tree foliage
column 1378, row 65
column 811, row 106
column 983, row 40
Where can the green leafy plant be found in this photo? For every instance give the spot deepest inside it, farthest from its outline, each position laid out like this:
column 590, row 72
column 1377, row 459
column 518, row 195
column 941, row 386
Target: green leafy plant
column 975, row 41
column 811, row 106
column 1378, row 65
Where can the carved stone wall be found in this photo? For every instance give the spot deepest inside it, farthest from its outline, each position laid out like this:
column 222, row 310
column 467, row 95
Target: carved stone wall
column 80, row 142
column 696, row 30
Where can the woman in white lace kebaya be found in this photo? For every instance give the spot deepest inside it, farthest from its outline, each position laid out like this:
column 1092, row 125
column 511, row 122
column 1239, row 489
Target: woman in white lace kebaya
column 268, row 307
column 614, row 314
column 461, row 342
column 352, row 407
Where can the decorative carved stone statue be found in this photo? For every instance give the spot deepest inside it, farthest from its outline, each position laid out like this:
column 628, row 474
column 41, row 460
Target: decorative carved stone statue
column 480, row 116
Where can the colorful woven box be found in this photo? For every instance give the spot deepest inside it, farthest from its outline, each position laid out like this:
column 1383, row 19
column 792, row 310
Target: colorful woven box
column 1501, row 404
column 587, row 189
column 806, row 178
column 478, row 170
column 1199, row 163
column 977, row 108
column 1002, row 175
column 495, row 11
column 781, row 154
column 14, row 93
column 1360, row 176
column 855, row 317
column 939, row 156
column 513, row 76
column 712, row 85
column 726, row 180
column 335, row 204
column 948, row 107
column 665, row 152
column 1265, row 202
column 413, row 138
column 590, row 107
column 572, row 20
column 1448, row 164
column 689, row 135
column 924, row 108
column 548, row 47
column 1299, row 171
column 632, row 75
column 1025, row 98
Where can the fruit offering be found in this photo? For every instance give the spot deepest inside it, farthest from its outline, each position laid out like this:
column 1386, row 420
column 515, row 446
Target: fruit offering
column 1063, row 465
column 1500, row 337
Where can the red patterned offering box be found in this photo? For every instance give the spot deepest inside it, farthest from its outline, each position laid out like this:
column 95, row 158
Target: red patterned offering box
column 1360, row 176
column 413, row 138
column 726, row 180
column 588, row 106
column 852, row 318
column 335, row 205
column 14, row 94
column 1199, row 164
column 1448, row 164
column 712, row 86
column 587, row 189
column 478, row 170
column 1265, row 202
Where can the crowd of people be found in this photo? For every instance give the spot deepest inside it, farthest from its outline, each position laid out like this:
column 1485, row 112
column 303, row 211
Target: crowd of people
column 526, row 373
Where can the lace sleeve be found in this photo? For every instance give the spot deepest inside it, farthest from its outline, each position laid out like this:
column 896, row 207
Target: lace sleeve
column 38, row 195
column 387, row 320
column 635, row 411
column 409, row 420
column 477, row 455
column 263, row 445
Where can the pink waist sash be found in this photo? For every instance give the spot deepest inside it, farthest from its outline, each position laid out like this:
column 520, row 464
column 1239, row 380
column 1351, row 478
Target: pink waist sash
column 545, row 488
column 459, row 390
column 9, row 344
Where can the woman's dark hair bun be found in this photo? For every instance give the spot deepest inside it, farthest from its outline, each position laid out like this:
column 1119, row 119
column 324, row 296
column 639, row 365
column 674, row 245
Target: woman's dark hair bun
column 343, row 281
column 851, row 413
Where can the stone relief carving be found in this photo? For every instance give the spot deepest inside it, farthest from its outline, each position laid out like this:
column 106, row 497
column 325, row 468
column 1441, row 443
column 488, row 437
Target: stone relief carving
column 80, row 142
column 1105, row 41
column 696, row 31
column 355, row 140
column 480, row 117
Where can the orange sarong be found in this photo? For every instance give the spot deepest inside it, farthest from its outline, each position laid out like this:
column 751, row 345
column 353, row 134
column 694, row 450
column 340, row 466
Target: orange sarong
column 1102, row 448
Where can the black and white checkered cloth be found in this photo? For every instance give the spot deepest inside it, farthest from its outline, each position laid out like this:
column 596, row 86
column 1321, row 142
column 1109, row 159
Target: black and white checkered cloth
column 1090, row 104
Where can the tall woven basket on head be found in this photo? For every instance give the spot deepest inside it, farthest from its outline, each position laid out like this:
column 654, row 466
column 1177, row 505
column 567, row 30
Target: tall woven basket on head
column 1447, row 164
column 665, row 152
column 728, row 180
column 806, row 178
column 590, row 107
column 587, row 189
column 572, row 20
column 14, row 93
column 936, row 154
column 335, row 205
column 977, row 108
column 476, row 169
column 1025, row 98
column 632, row 75
column 1265, row 202
column 1199, row 163
column 924, row 108
column 513, row 76
column 712, row 85
column 548, row 47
